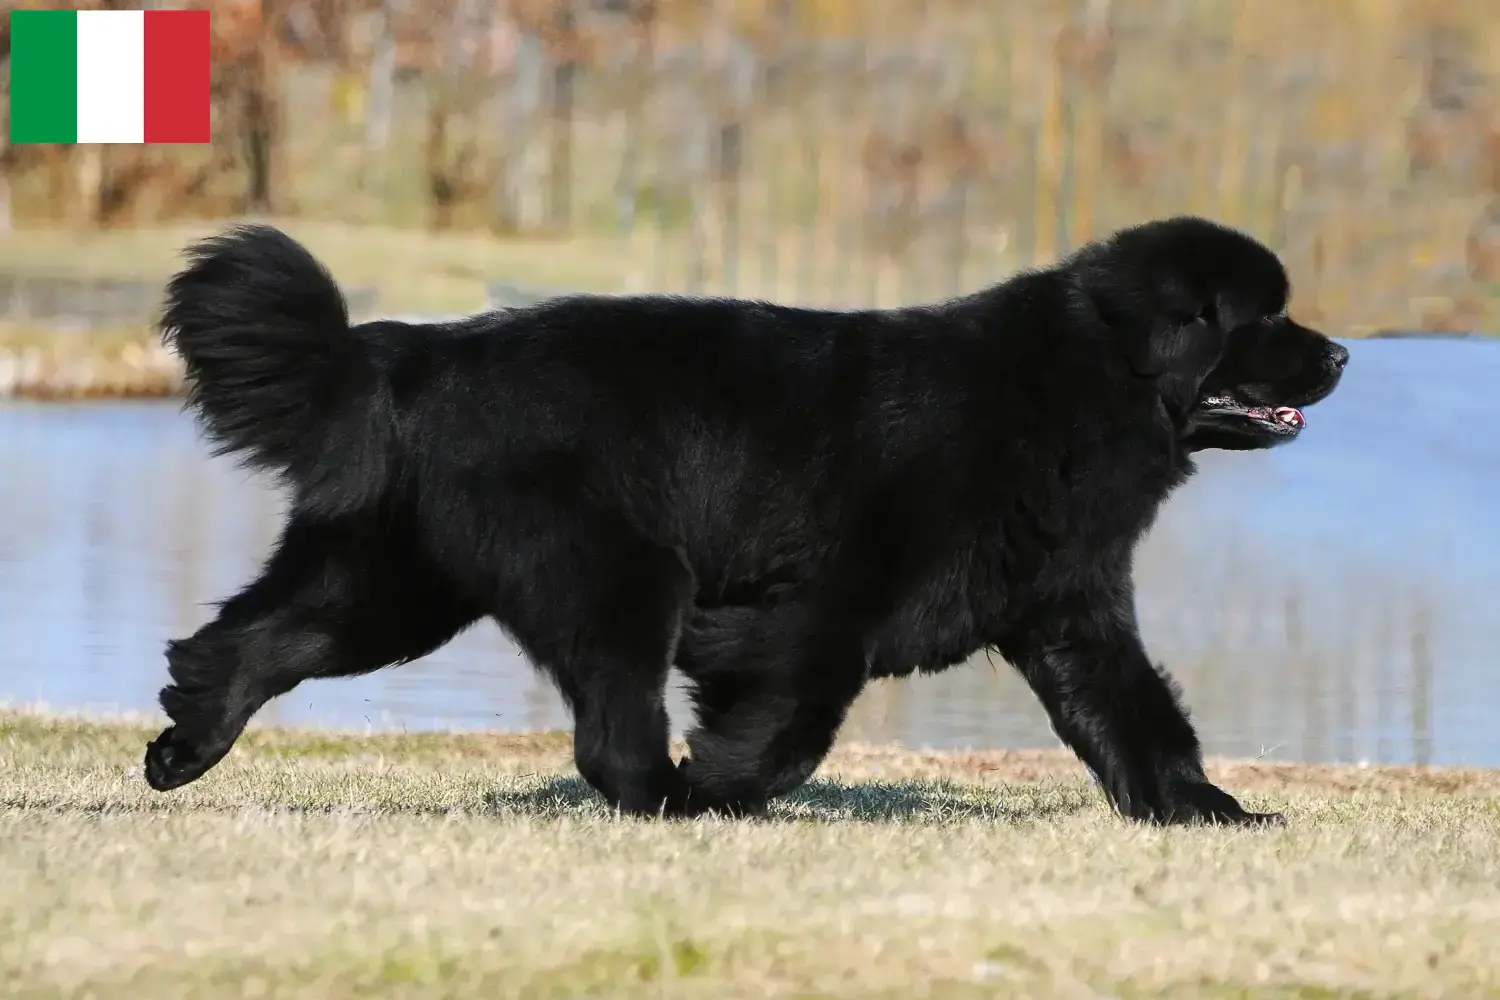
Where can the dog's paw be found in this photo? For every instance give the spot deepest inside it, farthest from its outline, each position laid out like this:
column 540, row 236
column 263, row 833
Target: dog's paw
column 705, row 800
column 171, row 762
column 1204, row 803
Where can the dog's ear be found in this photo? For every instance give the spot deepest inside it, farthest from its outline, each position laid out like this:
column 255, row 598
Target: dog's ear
column 1180, row 356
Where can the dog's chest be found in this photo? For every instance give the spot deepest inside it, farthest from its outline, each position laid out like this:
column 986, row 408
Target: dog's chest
column 1009, row 569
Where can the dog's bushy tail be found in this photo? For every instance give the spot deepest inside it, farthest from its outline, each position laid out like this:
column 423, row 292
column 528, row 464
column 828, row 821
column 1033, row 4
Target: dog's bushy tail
column 276, row 374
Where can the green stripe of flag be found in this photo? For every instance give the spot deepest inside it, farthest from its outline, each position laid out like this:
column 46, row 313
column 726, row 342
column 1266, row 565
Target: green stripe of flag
column 43, row 76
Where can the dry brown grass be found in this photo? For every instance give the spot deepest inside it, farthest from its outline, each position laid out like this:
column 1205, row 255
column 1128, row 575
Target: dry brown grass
column 328, row 866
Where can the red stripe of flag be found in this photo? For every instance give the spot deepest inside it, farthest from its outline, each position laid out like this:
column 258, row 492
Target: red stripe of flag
column 177, row 76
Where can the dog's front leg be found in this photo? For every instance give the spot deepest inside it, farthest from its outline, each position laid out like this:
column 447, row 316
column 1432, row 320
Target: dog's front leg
column 1084, row 659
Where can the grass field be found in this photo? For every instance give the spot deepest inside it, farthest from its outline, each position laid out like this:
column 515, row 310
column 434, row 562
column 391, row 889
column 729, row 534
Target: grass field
column 316, row 865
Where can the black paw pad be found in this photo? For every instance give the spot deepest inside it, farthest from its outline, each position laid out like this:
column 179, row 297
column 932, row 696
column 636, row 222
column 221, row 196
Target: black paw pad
column 171, row 764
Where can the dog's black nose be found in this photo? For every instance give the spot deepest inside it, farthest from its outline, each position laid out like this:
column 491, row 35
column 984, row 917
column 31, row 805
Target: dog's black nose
column 1338, row 355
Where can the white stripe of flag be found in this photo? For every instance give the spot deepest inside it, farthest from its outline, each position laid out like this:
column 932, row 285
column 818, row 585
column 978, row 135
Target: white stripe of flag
column 112, row 76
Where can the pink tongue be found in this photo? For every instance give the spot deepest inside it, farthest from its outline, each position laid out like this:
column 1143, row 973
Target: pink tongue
column 1290, row 415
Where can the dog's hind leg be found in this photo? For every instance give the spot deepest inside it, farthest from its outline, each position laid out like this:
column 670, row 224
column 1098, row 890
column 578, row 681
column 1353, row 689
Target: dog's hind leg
column 599, row 609
column 772, row 687
column 336, row 598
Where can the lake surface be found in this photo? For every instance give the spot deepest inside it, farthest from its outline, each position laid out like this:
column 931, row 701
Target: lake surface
column 1334, row 600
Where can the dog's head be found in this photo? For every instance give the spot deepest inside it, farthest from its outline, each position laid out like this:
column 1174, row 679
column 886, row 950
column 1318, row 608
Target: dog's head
column 1202, row 310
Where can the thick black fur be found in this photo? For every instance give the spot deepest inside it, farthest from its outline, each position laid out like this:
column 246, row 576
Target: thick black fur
column 783, row 502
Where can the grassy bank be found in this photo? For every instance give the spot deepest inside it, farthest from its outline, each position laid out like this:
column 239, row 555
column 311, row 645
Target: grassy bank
column 316, row 865
column 408, row 272
column 411, row 270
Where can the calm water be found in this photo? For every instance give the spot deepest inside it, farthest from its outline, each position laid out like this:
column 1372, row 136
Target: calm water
column 1333, row 600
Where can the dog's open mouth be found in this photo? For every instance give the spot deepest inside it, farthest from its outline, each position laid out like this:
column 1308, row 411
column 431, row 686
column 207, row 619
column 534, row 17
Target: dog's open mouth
column 1280, row 419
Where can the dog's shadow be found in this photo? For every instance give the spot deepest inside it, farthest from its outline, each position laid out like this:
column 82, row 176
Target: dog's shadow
column 834, row 801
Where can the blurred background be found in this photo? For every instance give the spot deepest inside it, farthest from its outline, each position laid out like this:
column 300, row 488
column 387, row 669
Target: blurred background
column 1332, row 601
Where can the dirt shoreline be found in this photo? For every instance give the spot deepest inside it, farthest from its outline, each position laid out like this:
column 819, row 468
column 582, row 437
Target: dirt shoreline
column 71, row 367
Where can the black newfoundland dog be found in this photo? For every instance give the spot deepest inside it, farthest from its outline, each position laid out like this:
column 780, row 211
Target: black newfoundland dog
column 782, row 502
